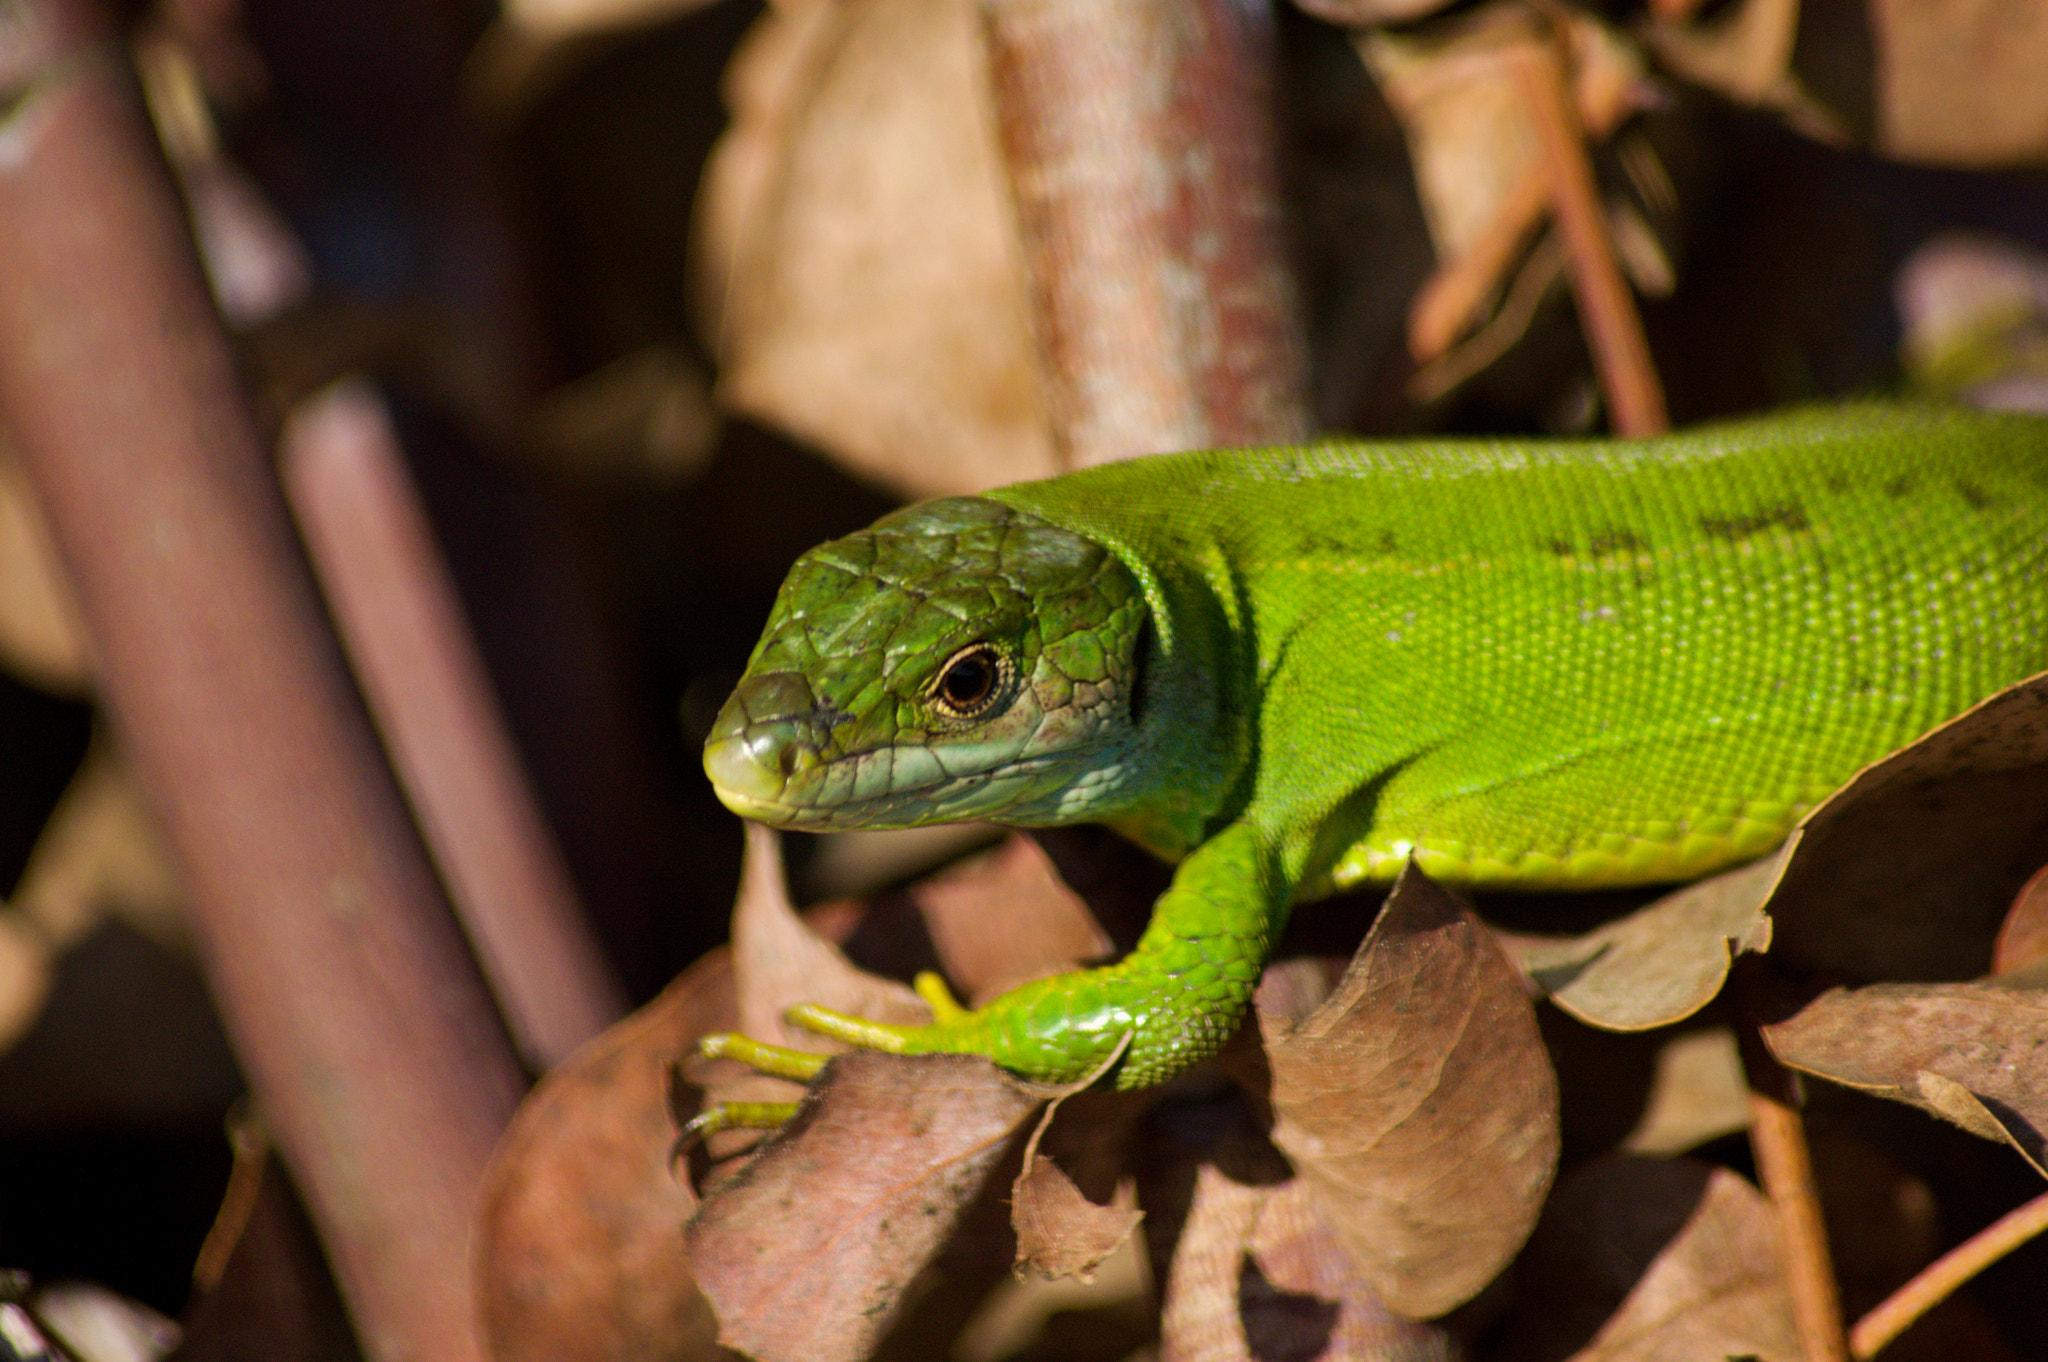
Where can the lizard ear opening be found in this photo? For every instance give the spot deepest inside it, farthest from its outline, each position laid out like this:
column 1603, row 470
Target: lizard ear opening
column 1141, row 667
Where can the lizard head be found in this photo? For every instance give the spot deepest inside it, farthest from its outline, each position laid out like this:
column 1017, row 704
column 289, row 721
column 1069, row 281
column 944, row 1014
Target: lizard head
column 956, row 660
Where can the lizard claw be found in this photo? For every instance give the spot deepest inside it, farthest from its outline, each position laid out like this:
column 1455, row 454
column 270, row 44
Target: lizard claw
column 778, row 1061
column 720, row 1116
column 799, row 1065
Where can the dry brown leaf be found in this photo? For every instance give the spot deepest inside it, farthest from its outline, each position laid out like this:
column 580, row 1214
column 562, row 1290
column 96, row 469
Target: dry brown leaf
column 580, row 1223
column 1974, row 1053
column 1906, row 872
column 25, row 976
column 1645, row 1260
column 1896, row 875
column 1468, row 125
column 1256, row 1270
column 1959, row 81
column 2023, row 937
column 1005, row 918
column 1073, row 1205
column 1698, row 1092
column 100, row 855
column 856, row 232
column 1060, row 1232
column 779, row 960
column 851, row 1201
column 1954, row 82
column 1659, row 964
column 1745, row 52
column 1479, row 165
column 1359, row 13
column 1419, row 1103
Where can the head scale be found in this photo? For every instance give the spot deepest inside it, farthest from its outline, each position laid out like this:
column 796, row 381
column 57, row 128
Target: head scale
column 959, row 659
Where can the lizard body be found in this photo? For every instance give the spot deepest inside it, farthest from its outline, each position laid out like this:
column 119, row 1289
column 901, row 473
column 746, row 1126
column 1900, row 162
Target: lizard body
column 1524, row 664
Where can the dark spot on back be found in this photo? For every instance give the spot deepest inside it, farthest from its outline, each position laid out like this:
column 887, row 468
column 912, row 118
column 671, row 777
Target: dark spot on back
column 1977, row 497
column 1787, row 516
column 1612, row 541
column 1900, row 487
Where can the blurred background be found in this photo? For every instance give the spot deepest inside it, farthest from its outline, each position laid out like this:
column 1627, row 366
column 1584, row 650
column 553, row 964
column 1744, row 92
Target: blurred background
column 648, row 296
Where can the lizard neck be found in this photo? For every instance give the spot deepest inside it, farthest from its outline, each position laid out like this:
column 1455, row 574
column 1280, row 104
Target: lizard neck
column 1192, row 761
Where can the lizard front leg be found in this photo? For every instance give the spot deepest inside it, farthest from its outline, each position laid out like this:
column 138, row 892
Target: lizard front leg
column 1178, row 996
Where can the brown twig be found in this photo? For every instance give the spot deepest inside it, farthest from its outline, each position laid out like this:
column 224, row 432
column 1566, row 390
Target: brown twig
column 370, row 1042
column 1614, row 330
column 1937, row 1281
column 411, row 646
column 1785, row 1168
column 1139, row 143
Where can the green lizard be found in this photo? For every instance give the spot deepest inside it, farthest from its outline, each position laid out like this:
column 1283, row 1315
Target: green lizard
column 1524, row 664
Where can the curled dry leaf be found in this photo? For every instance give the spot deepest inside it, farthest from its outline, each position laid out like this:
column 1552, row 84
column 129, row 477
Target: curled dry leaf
column 780, row 960
column 1479, row 164
column 1953, row 82
column 1257, row 1271
column 1906, row 872
column 1642, row 1260
column 1659, row 964
column 857, row 235
column 1060, row 1232
column 1074, row 1207
column 1899, row 874
column 581, row 1215
column 1745, row 52
column 1959, row 82
column 2023, row 936
column 1419, row 1104
column 100, row 856
column 845, row 1207
column 1974, row 1053
column 1005, row 918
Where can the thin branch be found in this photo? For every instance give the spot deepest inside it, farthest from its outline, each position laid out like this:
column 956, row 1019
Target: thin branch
column 405, row 630
column 1785, row 1168
column 1939, row 1280
column 370, row 1042
column 1607, row 309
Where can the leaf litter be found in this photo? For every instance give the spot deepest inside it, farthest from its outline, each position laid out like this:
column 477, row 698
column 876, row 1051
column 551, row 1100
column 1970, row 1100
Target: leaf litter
column 1414, row 1103
column 1841, row 900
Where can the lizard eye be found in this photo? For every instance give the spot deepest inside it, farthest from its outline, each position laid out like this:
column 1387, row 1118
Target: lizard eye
column 968, row 684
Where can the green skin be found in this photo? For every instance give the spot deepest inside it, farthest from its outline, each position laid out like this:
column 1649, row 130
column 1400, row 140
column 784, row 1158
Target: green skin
column 1522, row 664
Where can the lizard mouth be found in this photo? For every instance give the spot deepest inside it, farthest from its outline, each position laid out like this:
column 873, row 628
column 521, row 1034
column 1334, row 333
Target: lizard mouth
column 750, row 772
